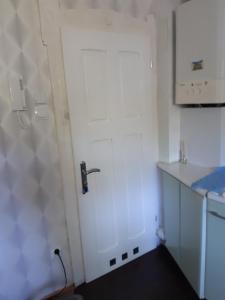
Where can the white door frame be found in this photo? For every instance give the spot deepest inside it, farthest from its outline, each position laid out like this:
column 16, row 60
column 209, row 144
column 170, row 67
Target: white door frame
column 52, row 18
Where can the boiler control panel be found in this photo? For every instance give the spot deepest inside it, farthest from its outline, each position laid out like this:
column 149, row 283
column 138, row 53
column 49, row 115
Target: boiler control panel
column 200, row 92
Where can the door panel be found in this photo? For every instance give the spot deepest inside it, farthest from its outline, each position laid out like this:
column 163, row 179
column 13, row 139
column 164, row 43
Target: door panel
column 107, row 79
column 130, row 78
column 105, row 212
column 133, row 154
column 95, row 80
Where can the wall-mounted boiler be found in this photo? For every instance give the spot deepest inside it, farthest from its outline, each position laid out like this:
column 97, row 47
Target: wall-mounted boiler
column 200, row 52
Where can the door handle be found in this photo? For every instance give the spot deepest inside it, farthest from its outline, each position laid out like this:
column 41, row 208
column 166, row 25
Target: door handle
column 84, row 173
column 215, row 214
column 95, row 170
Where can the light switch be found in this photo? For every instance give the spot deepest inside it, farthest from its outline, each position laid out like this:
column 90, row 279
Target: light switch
column 42, row 111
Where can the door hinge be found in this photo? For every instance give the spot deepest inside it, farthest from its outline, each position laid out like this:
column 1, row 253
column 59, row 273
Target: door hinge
column 44, row 43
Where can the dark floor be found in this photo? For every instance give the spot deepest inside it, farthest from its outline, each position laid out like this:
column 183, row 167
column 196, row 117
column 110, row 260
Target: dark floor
column 154, row 276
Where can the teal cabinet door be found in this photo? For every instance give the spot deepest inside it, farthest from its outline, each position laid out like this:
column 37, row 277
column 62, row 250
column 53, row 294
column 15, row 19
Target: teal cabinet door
column 171, row 208
column 191, row 235
column 215, row 252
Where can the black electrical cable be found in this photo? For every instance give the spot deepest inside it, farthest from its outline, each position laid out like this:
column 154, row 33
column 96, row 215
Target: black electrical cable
column 57, row 252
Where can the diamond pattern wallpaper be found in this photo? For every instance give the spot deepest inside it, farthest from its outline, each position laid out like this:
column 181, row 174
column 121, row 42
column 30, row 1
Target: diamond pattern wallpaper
column 32, row 218
column 32, row 214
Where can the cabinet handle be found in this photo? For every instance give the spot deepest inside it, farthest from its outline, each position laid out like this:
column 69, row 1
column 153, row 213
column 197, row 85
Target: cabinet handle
column 215, row 214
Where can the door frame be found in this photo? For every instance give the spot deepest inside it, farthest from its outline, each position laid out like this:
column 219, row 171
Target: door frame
column 52, row 17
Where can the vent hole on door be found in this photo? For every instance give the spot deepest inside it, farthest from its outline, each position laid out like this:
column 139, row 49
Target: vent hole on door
column 136, row 250
column 124, row 256
column 112, row 262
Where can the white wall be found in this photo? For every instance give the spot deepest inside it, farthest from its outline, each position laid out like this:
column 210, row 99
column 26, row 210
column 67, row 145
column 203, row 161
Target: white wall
column 168, row 113
column 201, row 132
column 202, row 129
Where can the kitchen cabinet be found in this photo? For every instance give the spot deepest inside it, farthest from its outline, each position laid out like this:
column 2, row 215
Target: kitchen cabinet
column 185, row 229
column 215, row 252
column 171, row 196
column 191, row 208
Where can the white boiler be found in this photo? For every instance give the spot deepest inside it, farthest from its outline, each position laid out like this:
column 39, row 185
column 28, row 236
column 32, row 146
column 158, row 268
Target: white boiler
column 200, row 52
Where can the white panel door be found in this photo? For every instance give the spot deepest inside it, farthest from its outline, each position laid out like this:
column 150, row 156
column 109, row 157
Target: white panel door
column 108, row 80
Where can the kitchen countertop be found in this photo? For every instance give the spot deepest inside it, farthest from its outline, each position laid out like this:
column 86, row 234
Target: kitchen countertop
column 185, row 173
column 216, row 197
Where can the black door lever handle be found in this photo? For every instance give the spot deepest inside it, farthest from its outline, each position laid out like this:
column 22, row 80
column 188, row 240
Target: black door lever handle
column 95, row 170
column 84, row 173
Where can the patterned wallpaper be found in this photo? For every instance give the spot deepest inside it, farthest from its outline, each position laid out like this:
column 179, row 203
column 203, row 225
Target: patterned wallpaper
column 32, row 216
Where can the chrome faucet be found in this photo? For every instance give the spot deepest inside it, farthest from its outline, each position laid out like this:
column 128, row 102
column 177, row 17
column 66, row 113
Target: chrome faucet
column 183, row 158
